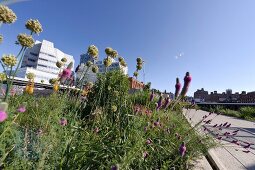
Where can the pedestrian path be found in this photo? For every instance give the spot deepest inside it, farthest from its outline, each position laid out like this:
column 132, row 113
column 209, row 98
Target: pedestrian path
column 235, row 136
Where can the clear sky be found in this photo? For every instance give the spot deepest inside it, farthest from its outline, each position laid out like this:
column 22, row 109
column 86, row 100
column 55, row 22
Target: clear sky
column 217, row 37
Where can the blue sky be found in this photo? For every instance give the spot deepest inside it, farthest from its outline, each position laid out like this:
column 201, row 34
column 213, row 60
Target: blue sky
column 217, row 37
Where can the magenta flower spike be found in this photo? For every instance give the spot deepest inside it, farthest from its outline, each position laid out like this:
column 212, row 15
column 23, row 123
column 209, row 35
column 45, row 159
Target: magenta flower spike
column 152, row 96
column 225, row 123
column 228, row 125
column 63, row 122
column 159, row 102
column 3, row 116
column 177, row 88
column 182, row 149
column 235, row 131
column 157, row 122
column 148, row 141
column 21, row 109
column 187, row 80
column 167, row 102
column 145, row 154
column 66, row 73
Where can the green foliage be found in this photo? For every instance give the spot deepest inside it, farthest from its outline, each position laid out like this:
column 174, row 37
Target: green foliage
column 141, row 98
column 247, row 113
column 111, row 89
column 147, row 86
column 111, row 133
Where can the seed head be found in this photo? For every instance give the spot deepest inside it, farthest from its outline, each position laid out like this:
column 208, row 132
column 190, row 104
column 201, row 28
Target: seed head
column 7, row 16
column 34, row 26
column 25, row 40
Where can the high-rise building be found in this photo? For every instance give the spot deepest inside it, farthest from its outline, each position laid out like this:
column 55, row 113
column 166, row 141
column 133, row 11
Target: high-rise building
column 41, row 60
column 90, row 76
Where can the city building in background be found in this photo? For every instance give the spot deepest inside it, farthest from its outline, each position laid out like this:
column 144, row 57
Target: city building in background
column 41, row 60
column 90, row 76
column 225, row 97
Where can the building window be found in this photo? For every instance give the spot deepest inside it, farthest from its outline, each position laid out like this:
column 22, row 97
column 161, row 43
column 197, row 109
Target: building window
column 43, row 59
column 29, row 59
column 34, row 54
column 42, row 65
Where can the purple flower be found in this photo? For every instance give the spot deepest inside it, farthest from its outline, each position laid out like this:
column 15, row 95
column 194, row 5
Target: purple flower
column 167, row 102
column 115, row 167
column 96, row 130
column 177, row 88
column 21, row 109
column 235, row 131
column 66, row 73
column 63, row 122
column 225, row 123
column 182, row 149
column 3, row 116
column 187, row 80
column 228, row 125
column 159, row 102
column 145, row 154
column 157, row 123
column 148, row 141
column 152, row 96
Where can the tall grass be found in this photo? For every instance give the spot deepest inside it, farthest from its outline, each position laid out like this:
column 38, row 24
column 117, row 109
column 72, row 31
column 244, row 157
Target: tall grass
column 98, row 137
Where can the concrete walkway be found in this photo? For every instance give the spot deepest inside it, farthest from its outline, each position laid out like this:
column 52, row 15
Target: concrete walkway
column 235, row 136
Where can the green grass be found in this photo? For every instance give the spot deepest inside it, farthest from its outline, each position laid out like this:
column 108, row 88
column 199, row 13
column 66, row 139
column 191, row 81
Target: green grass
column 247, row 113
column 35, row 139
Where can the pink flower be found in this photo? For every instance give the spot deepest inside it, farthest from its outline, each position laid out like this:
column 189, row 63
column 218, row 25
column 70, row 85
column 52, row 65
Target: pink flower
column 159, row 102
column 96, row 130
column 65, row 75
column 152, row 96
column 21, row 109
column 157, row 123
column 182, row 149
column 187, row 80
column 67, row 72
column 115, row 167
column 235, row 131
column 215, row 125
column 148, row 141
column 167, row 102
column 63, row 122
column 225, row 123
column 145, row 154
column 219, row 138
column 228, row 125
column 177, row 88
column 3, row 116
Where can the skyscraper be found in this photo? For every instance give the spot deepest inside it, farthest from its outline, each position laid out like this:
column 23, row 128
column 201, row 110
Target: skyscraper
column 41, row 60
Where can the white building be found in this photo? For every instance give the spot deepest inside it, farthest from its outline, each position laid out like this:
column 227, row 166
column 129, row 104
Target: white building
column 41, row 60
column 90, row 76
